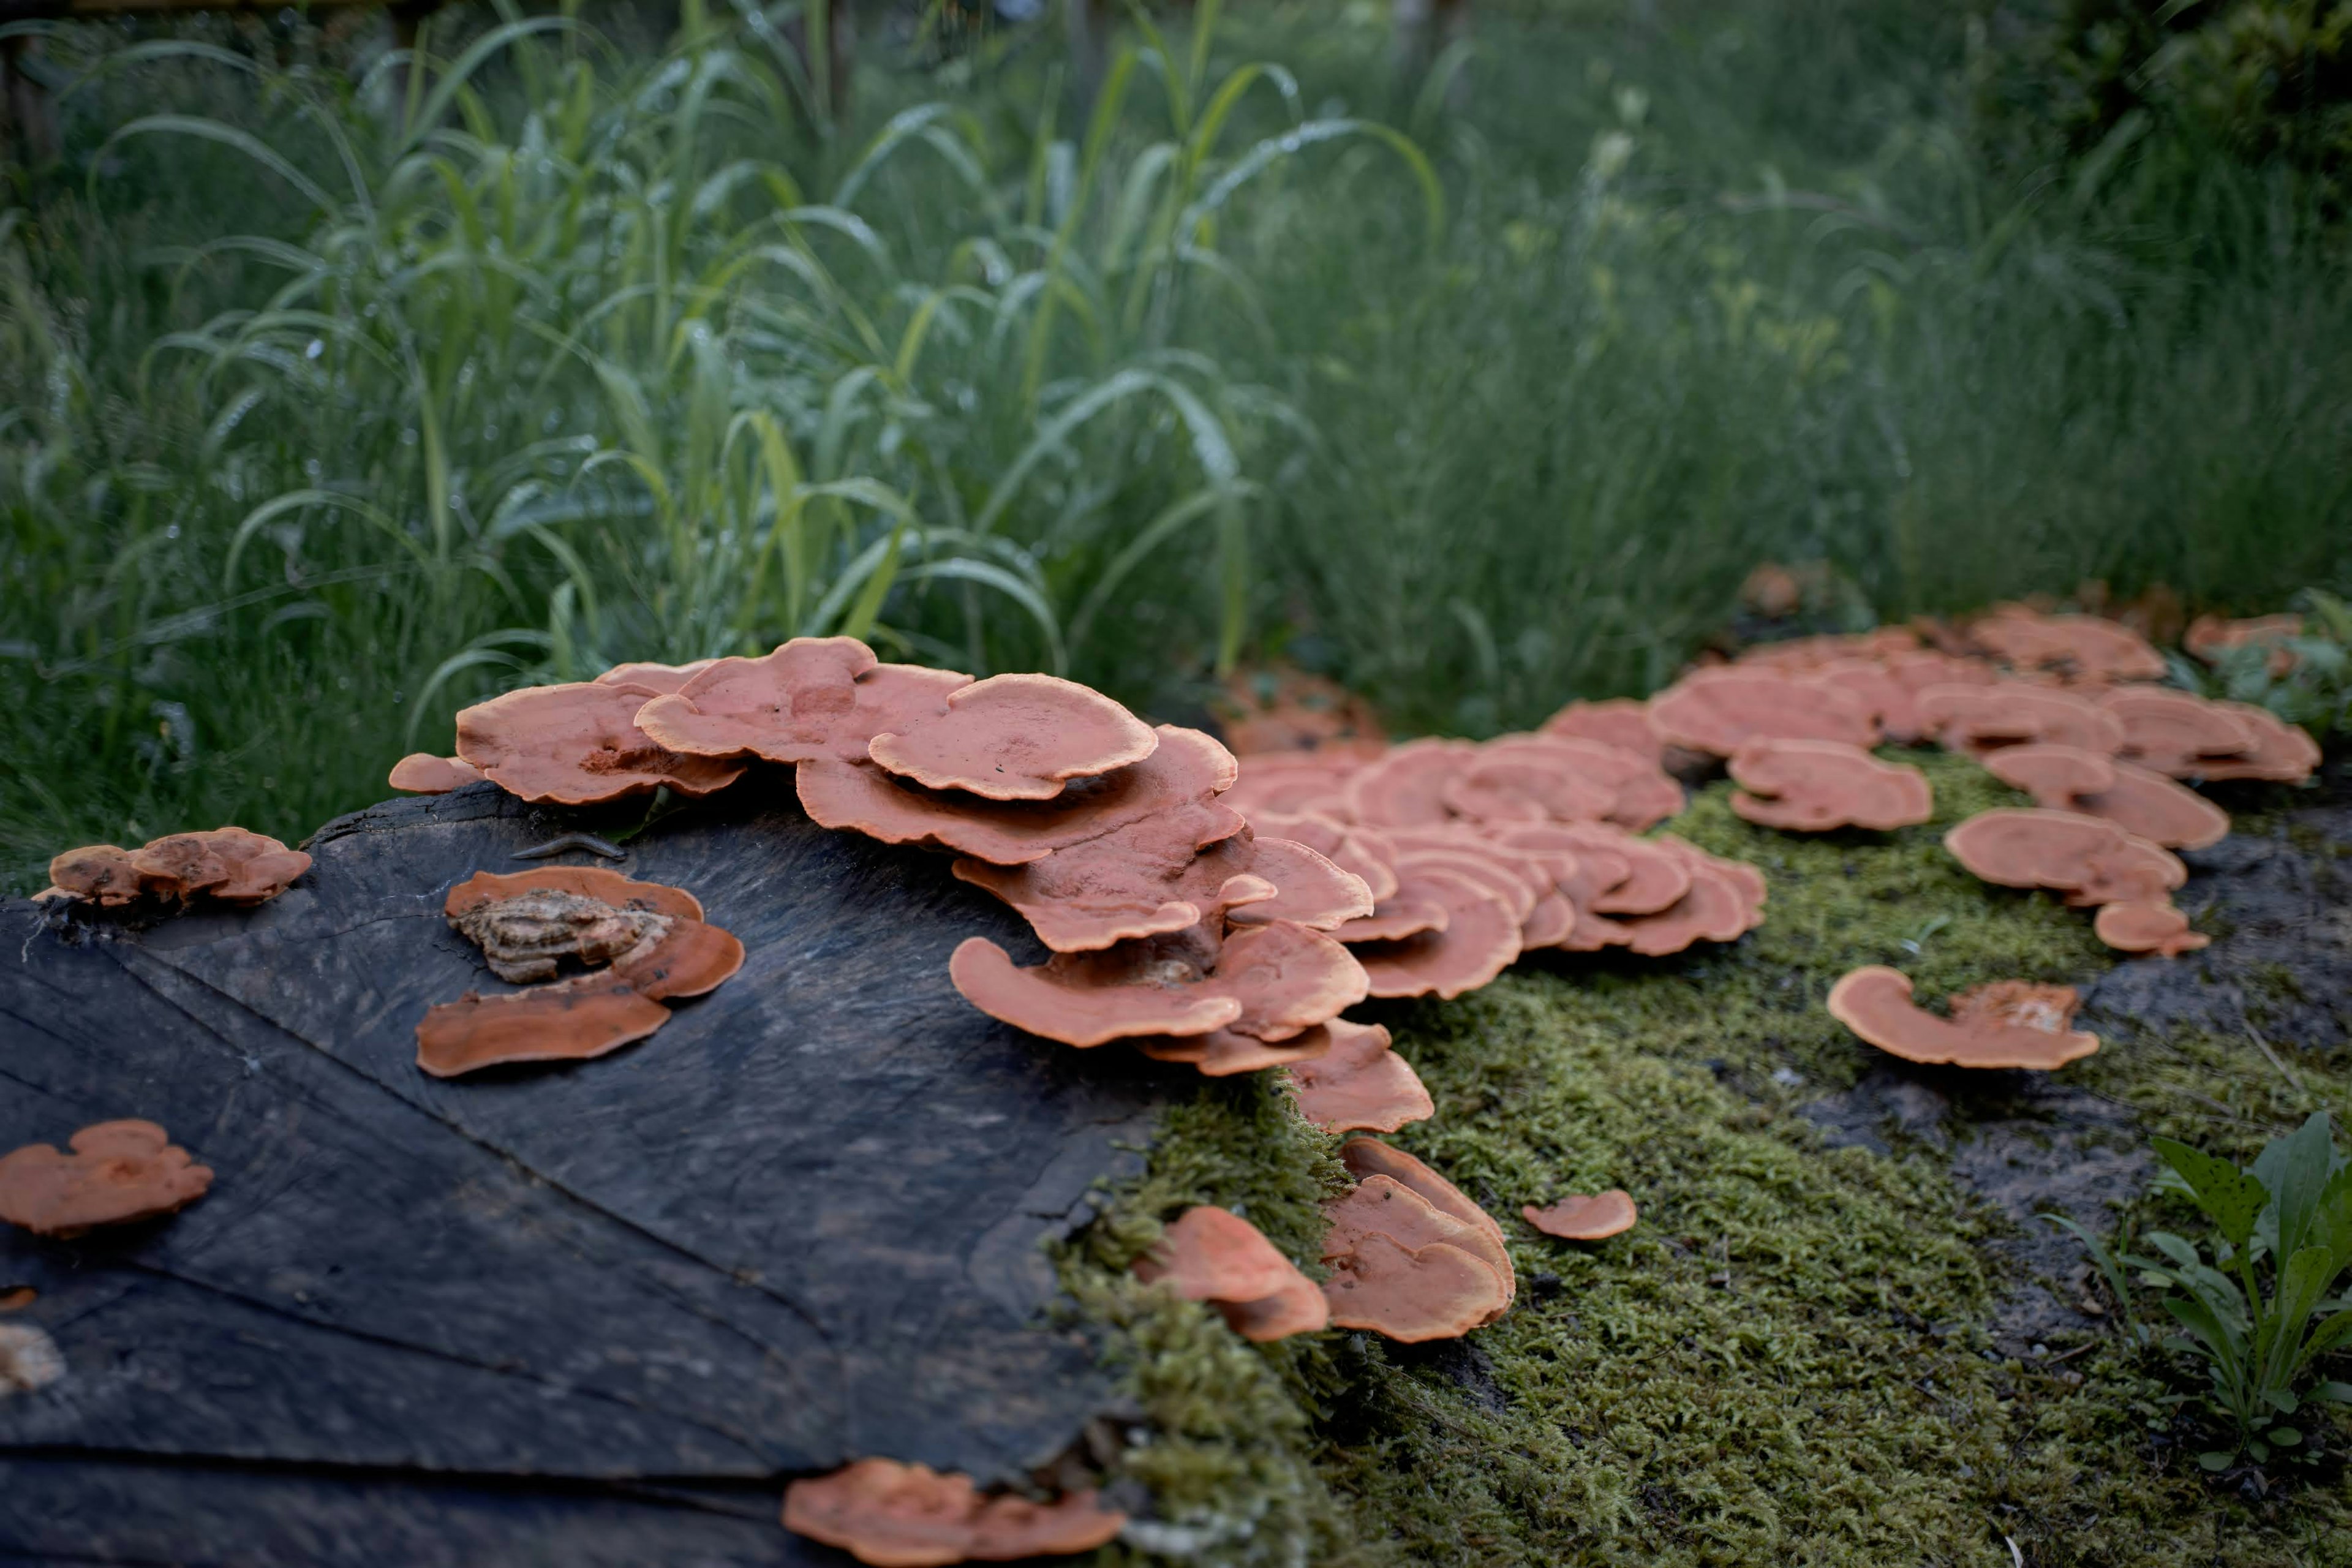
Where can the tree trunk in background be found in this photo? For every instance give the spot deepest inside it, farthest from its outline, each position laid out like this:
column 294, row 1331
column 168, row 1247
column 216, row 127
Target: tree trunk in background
column 1088, row 22
column 1424, row 30
column 31, row 123
column 840, row 49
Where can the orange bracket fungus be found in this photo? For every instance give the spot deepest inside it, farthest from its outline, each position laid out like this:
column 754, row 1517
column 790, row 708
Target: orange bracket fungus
column 1474, row 938
column 1411, row 1257
column 421, row 772
column 890, row 1515
column 1360, row 1085
column 1581, row 1218
column 579, row 744
column 1620, row 721
column 1406, row 788
column 1214, row 1254
column 805, row 699
column 2137, row 799
column 1811, row 786
column 1875, row 1004
column 641, row 943
column 1016, row 737
column 1367, row 1157
column 1223, row 1053
column 118, row 1172
column 2152, row 925
column 2091, row 861
column 1186, row 768
column 660, row 676
column 1976, row 720
column 1719, row 710
column 2086, row 646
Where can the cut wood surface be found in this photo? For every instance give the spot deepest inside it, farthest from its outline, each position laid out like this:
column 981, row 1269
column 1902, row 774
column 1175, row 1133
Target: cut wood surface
column 589, row 1313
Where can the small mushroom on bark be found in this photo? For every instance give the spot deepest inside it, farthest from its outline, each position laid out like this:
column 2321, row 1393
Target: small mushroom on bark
column 1581, row 1218
column 29, row 1360
column 1214, row 1254
column 1875, row 1004
column 421, row 772
column 891, row 1515
column 574, row 1020
column 1016, row 737
column 1359, row 1084
column 1812, row 787
column 118, row 1172
column 579, row 744
column 100, row 874
column 2148, row 926
column 227, row 865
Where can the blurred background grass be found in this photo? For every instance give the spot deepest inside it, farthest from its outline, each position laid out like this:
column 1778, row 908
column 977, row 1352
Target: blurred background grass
column 339, row 394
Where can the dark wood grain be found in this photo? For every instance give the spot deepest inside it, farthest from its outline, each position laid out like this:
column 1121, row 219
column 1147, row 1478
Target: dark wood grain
column 801, row 1224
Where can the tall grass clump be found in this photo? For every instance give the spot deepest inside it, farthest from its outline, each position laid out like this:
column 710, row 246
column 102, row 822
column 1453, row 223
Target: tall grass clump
column 570, row 359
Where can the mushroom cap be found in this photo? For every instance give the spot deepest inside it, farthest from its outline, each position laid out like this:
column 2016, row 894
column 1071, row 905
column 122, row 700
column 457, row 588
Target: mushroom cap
column 891, row 1515
column 1406, row 788
column 1289, row 978
column 2055, row 777
column 1811, row 786
column 1396, row 918
column 2086, row 857
column 692, row 960
column 2282, row 753
column 1875, row 1004
column 1282, row 711
column 1719, row 710
column 806, row 699
column 1209, row 1254
column 1655, row 878
column 1504, row 874
column 1580, row 1218
column 2146, row 803
column 1363, row 852
column 1550, row 924
column 1891, row 703
column 1359, row 1084
column 588, row 881
column 2176, row 731
column 1310, row 891
column 2148, row 926
column 579, row 744
column 571, row 1020
column 1478, row 941
column 1187, row 767
column 1289, row 784
column 1976, row 720
column 1222, row 1053
column 2022, row 1003
column 1215, row 1256
column 100, row 873
column 1368, row 1157
column 2210, row 636
column 1509, row 790
column 1016, row 737
column 1620, row 721
column 421, row 772
column 1382, row 1205
column 2087, row 645
column 1438, row 1293
column 656, row 677
column 1641, row 794
column 228, row 865
column 1088, row 998
column 1150, row 878
column 1725, row 902
column 118, row 1172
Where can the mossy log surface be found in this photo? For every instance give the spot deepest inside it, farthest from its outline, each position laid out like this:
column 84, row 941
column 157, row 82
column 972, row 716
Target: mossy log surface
column 587, row 1312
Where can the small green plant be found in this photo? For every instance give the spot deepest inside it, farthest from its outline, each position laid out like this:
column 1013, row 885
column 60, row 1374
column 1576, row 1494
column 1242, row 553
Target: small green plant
column 2259, row 1314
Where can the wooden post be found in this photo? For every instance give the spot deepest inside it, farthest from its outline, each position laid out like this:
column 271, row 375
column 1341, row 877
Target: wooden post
column 31, row 115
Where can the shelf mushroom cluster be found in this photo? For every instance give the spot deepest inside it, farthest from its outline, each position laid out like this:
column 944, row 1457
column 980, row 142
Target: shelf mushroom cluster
column 226, row 866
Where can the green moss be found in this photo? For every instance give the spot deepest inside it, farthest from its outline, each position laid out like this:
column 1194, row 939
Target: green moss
column 1784, row 1362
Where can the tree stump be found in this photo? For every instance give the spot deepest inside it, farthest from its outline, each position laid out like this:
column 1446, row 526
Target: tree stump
column 588, row 1313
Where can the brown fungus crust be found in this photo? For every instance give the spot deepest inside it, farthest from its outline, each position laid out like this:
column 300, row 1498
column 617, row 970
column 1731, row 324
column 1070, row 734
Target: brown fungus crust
column 1814, row 786
column 1359, row 1084
column 1214, row 1254
column 1719, row 710
column 579, row 744
column 806, row 699
column 573, row 1020
column 892, row 1515
column 1507, row 791
column 2148, row 926
column 100, row 874
column 1580, row 1218
column 118, row 1173
column 421, row 772
column 1874, row 1002
column 1016, row 737
column 1186, row 768
column 588, row 881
